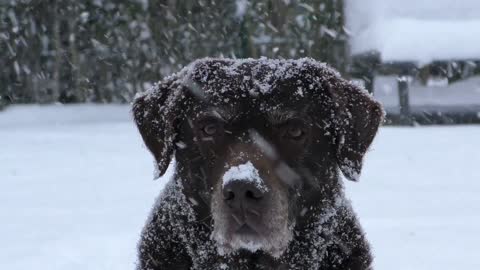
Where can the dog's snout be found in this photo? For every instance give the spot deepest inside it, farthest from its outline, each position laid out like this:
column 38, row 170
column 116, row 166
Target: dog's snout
column 240, row 191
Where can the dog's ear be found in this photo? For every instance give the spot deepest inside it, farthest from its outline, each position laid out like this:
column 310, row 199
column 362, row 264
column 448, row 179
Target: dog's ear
column 357, row 118
column 156, row 117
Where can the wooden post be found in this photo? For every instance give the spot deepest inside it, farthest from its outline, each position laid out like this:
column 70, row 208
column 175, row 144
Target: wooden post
column 365, row 67
column 246, row 49
column 58, row 54
column 369, row 80
column 404, row 100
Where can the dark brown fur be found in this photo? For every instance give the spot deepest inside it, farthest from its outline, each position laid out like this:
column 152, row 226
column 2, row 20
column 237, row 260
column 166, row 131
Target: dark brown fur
column 338, row 122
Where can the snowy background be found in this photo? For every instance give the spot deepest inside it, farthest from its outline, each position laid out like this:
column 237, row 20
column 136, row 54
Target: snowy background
column 413, row 30
column 75, row 181
column 76, row 187
column 420, row 32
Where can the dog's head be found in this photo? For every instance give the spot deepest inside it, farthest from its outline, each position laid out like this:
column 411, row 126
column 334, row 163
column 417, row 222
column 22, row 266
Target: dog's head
column 258, row 143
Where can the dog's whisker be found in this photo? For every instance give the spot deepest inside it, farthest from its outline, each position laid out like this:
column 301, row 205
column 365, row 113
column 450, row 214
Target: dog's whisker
column 255, row 212
column 205, row 218
column 236, row 219
column 196, row 158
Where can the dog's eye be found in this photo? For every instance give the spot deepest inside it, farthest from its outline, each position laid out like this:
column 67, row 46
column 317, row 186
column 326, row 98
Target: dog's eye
column 210, row 129
column 295, row 132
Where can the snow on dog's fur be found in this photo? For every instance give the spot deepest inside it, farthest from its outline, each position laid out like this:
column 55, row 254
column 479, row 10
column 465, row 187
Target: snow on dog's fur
column 278, row 233
column 258, row 146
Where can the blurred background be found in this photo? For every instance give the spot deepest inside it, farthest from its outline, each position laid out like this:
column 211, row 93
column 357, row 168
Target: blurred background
column 420, row 58
column 74, row 189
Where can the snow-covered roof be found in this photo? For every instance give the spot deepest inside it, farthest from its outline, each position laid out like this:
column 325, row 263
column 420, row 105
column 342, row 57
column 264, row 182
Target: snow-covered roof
column 415, row 30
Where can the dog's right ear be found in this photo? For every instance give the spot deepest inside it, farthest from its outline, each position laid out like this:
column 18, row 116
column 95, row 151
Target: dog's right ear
column 155, row 116
column 357, row 119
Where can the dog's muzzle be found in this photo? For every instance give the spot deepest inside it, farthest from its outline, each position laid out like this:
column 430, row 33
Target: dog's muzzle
column 244, row 191
column 250, row 213
column 245, row 201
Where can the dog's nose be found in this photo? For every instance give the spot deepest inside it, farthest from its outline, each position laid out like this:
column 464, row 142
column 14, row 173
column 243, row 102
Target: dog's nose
column 242, row 191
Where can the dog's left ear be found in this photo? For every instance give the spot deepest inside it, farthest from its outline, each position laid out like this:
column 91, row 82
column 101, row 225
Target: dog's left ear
column 357, row 118
column 156, row 114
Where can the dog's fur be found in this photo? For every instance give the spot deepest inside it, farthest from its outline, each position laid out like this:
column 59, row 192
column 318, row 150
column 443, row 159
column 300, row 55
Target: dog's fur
column 297, row 123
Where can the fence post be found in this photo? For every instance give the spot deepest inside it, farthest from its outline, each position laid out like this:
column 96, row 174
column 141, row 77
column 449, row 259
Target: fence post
column 369, row 82
column 404, row 100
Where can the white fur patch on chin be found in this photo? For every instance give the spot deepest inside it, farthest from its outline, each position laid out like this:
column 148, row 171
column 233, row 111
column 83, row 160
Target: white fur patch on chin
column 250, row 243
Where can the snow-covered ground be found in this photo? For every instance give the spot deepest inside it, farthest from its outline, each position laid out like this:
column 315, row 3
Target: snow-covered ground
column 75, row 189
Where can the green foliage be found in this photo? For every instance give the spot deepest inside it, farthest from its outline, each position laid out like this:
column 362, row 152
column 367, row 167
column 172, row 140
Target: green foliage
column 107, row 50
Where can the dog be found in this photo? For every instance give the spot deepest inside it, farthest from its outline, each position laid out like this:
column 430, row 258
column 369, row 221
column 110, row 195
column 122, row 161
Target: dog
column 259, row 146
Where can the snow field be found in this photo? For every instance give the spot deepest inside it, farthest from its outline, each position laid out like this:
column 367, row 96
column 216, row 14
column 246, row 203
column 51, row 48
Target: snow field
column 76, row 187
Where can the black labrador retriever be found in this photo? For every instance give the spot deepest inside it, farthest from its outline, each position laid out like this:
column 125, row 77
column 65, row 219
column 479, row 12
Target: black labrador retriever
column 259, row 146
